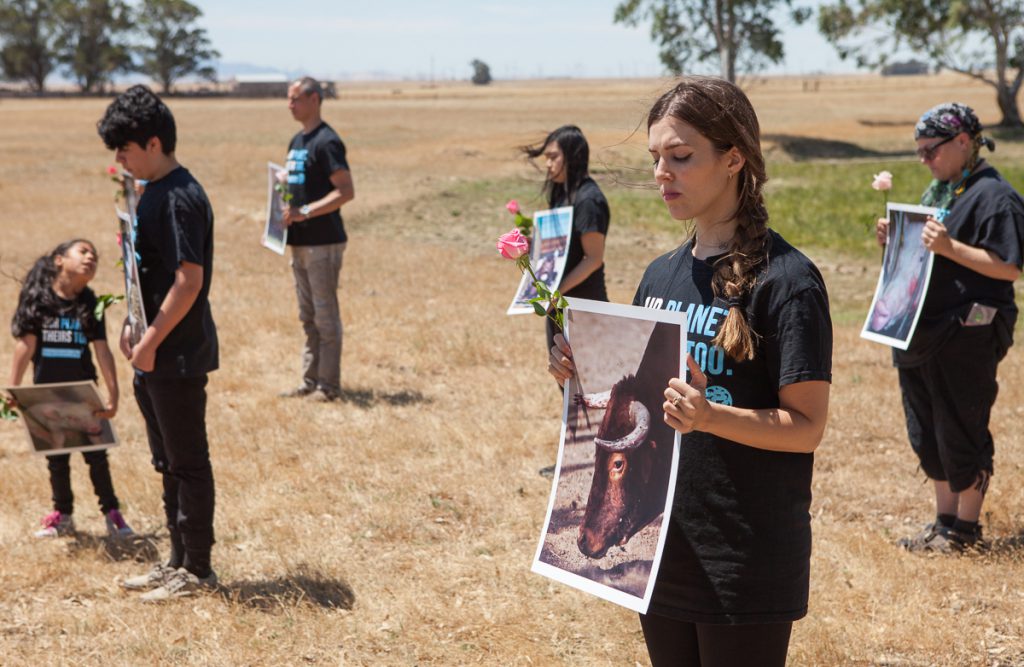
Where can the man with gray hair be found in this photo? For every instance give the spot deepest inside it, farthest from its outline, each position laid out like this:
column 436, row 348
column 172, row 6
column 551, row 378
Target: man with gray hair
column 319, row 182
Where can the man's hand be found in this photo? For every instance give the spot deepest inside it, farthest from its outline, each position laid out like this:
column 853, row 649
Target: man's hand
column 290, row 215
column 125, row 343
column 143, row 356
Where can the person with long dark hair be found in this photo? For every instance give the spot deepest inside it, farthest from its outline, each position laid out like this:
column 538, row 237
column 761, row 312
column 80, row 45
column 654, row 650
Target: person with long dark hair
column 966, row 323
column 567, row 182
column 54, row 324
column 735, row 567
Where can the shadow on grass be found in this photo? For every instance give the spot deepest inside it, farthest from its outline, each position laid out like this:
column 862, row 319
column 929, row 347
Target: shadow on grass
column 137, row 547
column 813, row 148
column 1011, row 546
column 870, row 122
column 304, row 587
column 368, row 398
column 1010, row 134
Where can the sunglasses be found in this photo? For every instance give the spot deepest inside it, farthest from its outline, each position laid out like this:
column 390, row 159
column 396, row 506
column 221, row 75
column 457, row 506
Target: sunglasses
column 927, row 153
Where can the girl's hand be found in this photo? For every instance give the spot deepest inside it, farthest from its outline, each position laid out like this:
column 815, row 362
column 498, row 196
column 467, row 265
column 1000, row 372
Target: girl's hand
column 936, row 238
column 882, row 231
column 560, row 361
column 686, row 408
column 107, row 413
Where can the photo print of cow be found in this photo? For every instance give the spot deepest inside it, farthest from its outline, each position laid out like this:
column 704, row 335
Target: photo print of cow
column 59, row 418
column 275, row 234
column 903, row 280
column 616, row 470
column 549, row 248
column 128, row 221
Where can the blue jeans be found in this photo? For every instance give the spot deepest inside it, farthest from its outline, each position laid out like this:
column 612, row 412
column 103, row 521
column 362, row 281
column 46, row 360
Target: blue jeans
column 316, row 269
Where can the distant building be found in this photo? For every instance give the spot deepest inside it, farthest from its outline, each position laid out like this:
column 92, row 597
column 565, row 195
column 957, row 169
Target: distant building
column 905, row 68
column 260, row 85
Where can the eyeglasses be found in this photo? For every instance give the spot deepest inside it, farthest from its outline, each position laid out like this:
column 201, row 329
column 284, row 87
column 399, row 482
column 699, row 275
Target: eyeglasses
column 927, row 153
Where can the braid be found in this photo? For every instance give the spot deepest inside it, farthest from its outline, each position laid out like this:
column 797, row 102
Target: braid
column 736, row 272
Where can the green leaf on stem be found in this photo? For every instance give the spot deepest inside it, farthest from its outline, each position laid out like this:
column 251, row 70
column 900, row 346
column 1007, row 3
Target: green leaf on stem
column 7, row 413
column 104, row 301
column 539, row 309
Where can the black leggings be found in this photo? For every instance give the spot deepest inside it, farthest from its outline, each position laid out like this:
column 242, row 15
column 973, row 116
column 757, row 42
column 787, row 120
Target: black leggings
column 99, row 473
column 683, row 644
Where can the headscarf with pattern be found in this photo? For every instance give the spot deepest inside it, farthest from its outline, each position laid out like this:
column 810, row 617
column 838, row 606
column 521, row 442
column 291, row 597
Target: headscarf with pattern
column 942, row 122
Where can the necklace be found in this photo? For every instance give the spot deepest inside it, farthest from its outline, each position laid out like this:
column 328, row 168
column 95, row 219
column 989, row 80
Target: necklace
column 711, row 246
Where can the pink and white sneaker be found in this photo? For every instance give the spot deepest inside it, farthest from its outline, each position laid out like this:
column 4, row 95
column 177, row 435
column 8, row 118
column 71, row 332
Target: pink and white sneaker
column 56, row 524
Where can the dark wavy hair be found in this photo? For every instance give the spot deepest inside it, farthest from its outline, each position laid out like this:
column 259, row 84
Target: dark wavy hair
column 37, row 295
column 721, row 113
column 137, row 115
column 577, row 162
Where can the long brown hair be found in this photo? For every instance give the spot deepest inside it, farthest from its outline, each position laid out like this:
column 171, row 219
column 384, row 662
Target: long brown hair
column 720, row 112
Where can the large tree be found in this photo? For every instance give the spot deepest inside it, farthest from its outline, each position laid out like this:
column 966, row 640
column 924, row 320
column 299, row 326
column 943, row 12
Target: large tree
column 28, row 31
column 982, row 39
column 92, row 42
column 175, row 46
column 740, row 34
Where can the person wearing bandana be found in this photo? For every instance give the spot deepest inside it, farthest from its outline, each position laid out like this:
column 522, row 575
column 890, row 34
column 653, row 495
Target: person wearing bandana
column 948, row 374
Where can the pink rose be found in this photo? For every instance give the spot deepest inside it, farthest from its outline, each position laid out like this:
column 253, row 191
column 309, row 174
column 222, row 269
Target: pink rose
column 512, row 206
column 112, row 171
column 282, row 177
column 513, row 245
column 882, row 182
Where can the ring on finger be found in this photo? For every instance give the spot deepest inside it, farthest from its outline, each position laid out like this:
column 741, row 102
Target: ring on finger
column 676, row 401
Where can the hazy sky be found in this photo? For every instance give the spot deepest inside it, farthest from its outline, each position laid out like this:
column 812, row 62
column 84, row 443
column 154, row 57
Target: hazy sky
column 416, row 39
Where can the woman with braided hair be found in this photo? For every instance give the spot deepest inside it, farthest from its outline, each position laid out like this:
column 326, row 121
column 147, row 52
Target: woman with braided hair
column 735, row 568
column 966, row 323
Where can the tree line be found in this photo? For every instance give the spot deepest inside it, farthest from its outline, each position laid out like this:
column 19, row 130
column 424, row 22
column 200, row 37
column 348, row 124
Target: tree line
column 91, row 41
column 981, row 39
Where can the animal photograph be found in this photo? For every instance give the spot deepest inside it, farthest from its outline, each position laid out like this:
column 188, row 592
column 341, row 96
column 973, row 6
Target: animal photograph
column 275, row 233
column 548, row 252
column 906, row 268
column 617, row 458
column 60, row 417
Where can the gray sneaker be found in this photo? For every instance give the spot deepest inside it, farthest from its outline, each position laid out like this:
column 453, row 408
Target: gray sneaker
column 301, row 391
column 322, row 395
column 181, row 584
column 150, row 580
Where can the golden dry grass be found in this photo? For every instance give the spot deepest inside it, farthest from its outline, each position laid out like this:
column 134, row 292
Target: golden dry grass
column 398, row 528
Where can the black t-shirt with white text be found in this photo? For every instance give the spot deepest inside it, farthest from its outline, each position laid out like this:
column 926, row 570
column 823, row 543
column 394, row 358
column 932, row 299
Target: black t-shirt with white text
column 312, row 159
column 988, row 215
column 62, row 340
column 739, row 542
column 590, row 213
column 175, row 226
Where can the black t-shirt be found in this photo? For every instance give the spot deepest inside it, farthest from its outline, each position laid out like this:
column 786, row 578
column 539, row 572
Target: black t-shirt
column 62, row 340
column 175, row 226
column 312, row 158
column 989, row 215
column 739, row 543
column 590, row 213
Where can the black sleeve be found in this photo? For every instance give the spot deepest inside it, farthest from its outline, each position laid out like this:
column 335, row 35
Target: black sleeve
column 588, row 215
column 332, row 154
column 183, row 230
column 1002, row 232
column 800, row 347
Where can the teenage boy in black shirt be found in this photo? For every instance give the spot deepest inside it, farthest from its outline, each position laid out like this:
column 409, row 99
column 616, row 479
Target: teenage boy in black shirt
column 175, row 246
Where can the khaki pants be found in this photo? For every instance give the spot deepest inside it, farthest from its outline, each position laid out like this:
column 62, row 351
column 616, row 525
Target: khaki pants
column 316, row 270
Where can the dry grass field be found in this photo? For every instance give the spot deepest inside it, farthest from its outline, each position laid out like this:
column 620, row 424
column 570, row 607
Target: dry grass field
column 397, row 527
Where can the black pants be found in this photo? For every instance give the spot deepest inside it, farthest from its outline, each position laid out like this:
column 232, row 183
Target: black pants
column 175, row 414
column 99, row 473
column 683, row 644
column 948, row 401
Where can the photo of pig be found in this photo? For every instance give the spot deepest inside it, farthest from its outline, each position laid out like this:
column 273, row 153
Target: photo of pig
column 903, row 282
column 61, row 418
column 617, row 459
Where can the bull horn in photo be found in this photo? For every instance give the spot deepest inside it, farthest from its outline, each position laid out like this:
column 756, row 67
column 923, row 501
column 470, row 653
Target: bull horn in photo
column 641, row 417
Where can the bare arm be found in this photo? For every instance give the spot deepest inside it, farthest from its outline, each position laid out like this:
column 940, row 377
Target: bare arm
column 593, row 258
column 979, row 260
column 188, row 282
column 109, row 372
column 797, row 425
column 344, row 191
column 24, row 349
